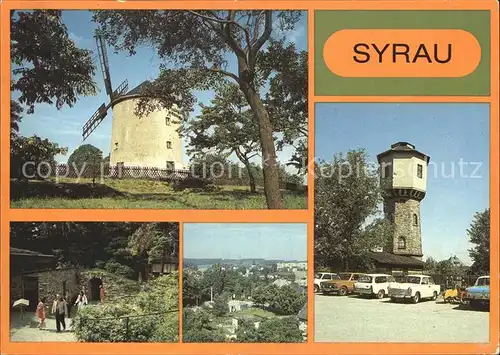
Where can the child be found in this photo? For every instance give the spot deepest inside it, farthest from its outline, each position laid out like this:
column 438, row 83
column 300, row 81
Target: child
column 40, row 313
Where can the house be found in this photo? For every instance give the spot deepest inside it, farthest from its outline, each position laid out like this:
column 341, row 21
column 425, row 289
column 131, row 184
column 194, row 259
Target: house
column 236, row 305
column 395, row 264
column 165, row 265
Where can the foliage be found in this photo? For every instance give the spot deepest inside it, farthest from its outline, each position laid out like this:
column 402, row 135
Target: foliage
column 86, row 157
column 220, row 307
column 198, row 42
column 33, row 157
column 284, row 300
column 155, row 240
column 48, row 67
column 273, row 330
column 225, row 127
column 150, row 316
column 287, row 99
column 16, row 111
column 479, row 235
column 87, row 245
column 197, row 328
column 347, row 194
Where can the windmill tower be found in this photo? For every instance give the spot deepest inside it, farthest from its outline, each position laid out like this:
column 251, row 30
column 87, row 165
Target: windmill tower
column 148, row 141
column 403, row 176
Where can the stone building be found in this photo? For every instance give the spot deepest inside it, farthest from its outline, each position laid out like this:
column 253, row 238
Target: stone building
column 403, row 177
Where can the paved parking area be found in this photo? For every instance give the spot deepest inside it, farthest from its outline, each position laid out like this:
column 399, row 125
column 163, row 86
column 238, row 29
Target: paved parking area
column 355, row 319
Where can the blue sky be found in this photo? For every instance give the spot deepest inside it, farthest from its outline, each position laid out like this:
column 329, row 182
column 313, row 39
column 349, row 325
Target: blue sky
column 447, row 133
column 65, row 126
column 280, row 241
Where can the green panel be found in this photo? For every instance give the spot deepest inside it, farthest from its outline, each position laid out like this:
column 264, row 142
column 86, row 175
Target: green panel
column 474, row 21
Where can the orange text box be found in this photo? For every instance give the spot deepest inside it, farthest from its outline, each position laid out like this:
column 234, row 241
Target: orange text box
column 406, row 53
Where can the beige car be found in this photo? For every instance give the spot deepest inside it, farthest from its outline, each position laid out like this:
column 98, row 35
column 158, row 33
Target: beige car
column 343, row 286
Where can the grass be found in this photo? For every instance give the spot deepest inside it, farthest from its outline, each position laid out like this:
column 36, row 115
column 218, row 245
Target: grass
column 254, row 311
column 139, row 194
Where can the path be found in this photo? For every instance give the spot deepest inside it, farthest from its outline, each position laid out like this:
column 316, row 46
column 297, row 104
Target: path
column 23, row 331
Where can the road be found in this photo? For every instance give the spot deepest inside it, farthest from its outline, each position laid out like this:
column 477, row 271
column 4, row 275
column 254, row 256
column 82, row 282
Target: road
column 355, row 319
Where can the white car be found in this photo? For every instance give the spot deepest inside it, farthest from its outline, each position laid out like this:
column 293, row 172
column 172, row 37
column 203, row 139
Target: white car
column 323, row 276
column 415, row 288
column 374, row 285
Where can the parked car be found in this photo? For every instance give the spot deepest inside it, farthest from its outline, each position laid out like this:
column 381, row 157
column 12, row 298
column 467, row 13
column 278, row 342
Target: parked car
column 323, row 276
column 415, row 288
column 341, row 286
column 374, row 285
column 479, row 294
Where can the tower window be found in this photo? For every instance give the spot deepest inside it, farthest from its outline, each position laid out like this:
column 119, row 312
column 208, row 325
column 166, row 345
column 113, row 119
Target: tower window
column 169, row 145
column 401, row 243
column 167, row 121
column 387, row 171
column 116, row 145
column 419, row 170
column 170, row 165
column 415, row 220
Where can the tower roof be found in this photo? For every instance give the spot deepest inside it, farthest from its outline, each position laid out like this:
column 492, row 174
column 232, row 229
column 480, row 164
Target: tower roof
column 403, row 147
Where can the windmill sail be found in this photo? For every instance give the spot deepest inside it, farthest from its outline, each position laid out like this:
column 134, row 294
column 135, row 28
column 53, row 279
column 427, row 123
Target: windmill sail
column 94, row 120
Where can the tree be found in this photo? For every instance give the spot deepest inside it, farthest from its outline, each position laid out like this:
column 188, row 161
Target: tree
column 220, row 307
column 287, row 98
column 48, row 67
column 280, row 330
column 287, row 300
column 86, row 157
column 479, row 235
column 155, row 241
column 225, row 127
column 347, row 193
column 197, row 328
column 198, row 42
column 430, row 266
column 16, row 111
column 33, row 157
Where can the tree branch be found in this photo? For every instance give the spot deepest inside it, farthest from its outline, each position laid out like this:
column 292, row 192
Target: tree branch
column 225, row 73
column 263, row 38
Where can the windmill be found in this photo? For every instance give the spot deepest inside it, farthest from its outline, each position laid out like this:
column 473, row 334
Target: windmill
column 100, row 114
column 152, row 141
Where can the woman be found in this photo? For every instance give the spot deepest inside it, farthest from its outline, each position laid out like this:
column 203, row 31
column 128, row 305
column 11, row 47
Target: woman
column 81, row 300
column 40, row 313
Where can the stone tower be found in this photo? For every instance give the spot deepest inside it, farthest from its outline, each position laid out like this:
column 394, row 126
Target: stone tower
column 403, row 176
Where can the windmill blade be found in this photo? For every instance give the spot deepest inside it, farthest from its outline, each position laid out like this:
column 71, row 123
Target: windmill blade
column 103, row 60
column 94, row 120
column 121, row 89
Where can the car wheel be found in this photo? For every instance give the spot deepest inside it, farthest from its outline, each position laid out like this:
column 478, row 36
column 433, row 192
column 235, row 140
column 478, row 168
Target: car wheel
column 434, row 296
column 343, row 291
column 380, row 294
column 416, row 298
column 316, row 288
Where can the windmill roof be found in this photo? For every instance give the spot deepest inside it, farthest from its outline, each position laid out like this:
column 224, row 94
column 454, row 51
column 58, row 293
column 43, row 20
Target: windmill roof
column 137, row 90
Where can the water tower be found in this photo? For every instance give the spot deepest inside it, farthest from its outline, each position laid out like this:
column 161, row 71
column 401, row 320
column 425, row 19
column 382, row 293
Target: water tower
column 403, row 176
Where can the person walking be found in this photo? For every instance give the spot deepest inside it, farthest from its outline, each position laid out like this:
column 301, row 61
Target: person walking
column 61, row 312
column 69, row 303
column 81, row 301
column 40, row 313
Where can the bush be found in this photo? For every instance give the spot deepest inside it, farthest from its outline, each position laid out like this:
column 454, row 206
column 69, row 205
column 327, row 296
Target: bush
column 119, row 269
column 197, row 328
column 103, row 322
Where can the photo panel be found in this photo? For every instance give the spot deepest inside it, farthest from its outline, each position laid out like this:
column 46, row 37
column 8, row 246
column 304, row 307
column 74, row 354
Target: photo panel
column 244, row 283
column 402, row 223
column 144, row 122
column 94, row 282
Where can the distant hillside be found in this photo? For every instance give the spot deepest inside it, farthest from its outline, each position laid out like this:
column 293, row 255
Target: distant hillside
column 246, row 262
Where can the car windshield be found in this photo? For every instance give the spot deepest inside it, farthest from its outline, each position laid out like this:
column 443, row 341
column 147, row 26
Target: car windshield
column 345, row 276
column 412, row 280
column 366, row 279
column 318, row 276
column 483, row 281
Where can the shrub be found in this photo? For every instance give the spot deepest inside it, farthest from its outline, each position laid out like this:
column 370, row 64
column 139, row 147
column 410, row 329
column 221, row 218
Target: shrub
column 107, row 322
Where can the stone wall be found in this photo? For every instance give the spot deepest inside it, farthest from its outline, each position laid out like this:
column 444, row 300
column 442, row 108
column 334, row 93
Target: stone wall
column 55, row 282
column 402, row 212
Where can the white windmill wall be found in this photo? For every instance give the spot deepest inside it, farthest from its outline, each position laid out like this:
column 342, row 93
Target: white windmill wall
column 142, row 141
